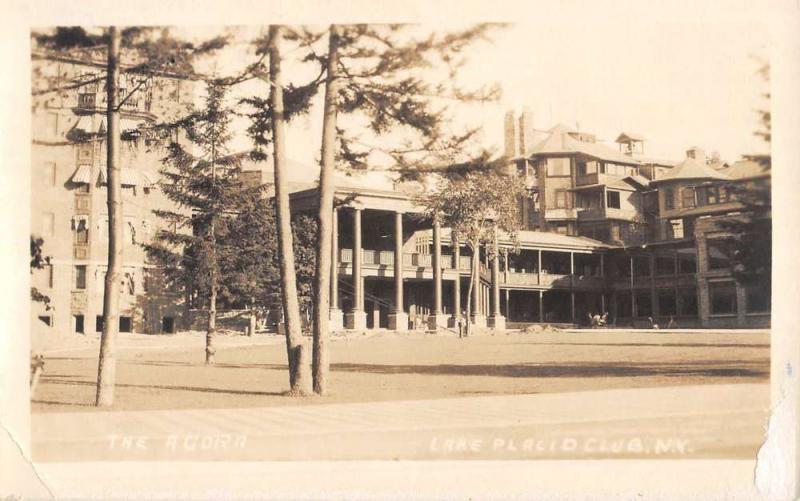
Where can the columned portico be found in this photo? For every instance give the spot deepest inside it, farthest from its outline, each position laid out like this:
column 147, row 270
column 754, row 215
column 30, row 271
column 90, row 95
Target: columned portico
column 453, row 322
column 496, row 320
column 357, row 318
column 336, row 315
column 437, row 318
column 478, row 318
column 398, row 318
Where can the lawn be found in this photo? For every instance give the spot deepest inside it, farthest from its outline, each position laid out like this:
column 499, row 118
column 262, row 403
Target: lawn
column 158, row 373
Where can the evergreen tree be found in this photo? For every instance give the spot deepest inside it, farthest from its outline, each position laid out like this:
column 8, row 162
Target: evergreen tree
column 204, row 182
column 152, row 56
column 751, row 245
column 375, row 73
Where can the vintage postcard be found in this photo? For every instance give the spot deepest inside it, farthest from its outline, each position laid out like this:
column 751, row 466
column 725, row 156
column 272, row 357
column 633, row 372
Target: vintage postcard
column 363, row 250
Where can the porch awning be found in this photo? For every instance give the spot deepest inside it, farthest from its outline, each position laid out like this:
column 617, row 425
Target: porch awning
column 82, row 175
column 128, row 177
column 84, row 124
column 125, row 125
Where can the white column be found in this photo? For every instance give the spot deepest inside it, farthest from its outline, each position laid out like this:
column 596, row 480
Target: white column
column 398, row 319
column 336, row 315
column 357, row 318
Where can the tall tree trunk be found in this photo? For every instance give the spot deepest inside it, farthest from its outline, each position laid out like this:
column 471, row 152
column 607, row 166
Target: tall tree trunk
column 291, row 307
column 472, row 275
column 322, row 277
column 106, row 367
column 211, row 326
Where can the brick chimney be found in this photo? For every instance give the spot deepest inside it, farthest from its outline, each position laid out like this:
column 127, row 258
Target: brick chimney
column 526, row 132
column 511, row 138
column 696, row 153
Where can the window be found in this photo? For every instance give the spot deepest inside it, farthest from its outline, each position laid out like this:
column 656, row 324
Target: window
column 644, row 304
column 580, row 167
column 687, row 197
column 612, row 200
column 77, row 321
column 624, row 305
column 125, row 324
column 723, row 298
column 80, row 277
column 86, row 100
column 687, row 302
column 669, row 198
column 49, row 174
column 562, row 228
column 615, row 231
column 46, row 319
column 558, row 167
column 82, row 231
column 51, row 124
column 83, row 188
column 665, row 265
column 48, row 224
column 562, row 199
column 676, row 228
column 45, row 276
column 591, row 167
column 758, row 298
column 719, row 251
column 687, row 261
column 667, row 302
column 98, row 323
column 128, row 283
column 641, row 266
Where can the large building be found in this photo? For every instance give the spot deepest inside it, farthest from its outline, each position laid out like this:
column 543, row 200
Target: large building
column 606, row 228
column 69, row 209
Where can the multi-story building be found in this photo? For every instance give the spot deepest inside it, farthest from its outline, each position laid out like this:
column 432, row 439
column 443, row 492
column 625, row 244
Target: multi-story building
column 605, row 230
column 69, row 207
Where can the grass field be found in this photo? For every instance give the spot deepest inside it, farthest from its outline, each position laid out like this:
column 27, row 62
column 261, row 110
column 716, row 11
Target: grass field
column 158, row 373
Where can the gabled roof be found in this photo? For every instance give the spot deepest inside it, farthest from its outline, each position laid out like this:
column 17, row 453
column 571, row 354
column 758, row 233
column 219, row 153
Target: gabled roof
column 690, row 169
column 559, row 141
column 625, row 137
column 744, row 169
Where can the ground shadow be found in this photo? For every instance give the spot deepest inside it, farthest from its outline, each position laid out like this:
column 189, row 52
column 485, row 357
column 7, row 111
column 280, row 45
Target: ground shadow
column 171, row 387
column 707, row 369
column 655, row 345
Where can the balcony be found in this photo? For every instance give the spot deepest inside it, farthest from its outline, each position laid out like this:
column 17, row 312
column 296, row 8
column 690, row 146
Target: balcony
column 519, row 278
column 561, row 213
column 595, row 178
column 600, row 213
column 386, row 258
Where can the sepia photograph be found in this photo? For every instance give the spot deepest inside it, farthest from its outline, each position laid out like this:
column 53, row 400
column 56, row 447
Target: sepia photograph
column 423, row 242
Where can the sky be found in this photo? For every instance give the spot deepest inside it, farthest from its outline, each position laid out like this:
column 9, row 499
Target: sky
column 679, row 81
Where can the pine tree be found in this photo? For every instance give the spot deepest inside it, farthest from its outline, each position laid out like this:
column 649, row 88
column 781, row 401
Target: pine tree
column 375, row 72
column 204, row 182
column 153, row 56
column 751, row 245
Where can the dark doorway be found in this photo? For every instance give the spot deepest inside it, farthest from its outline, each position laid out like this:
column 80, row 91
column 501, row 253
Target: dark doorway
column 168, row 325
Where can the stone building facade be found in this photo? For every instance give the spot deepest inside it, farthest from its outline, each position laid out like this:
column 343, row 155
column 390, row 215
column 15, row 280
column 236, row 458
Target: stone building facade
column 69, row 209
